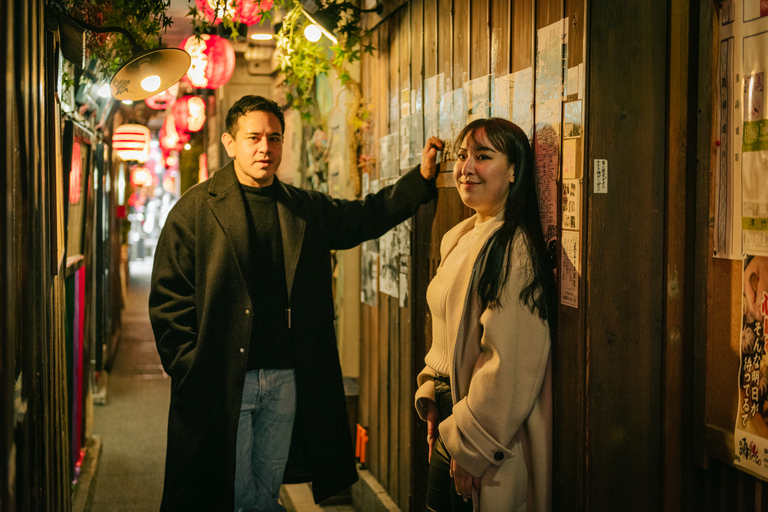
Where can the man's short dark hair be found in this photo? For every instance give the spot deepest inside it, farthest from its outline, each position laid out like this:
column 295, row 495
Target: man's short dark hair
column 252, row 103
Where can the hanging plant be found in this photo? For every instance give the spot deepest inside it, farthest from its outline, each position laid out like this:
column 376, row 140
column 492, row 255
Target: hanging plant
column 230, row 14
column 301, row 61
column 146, row 21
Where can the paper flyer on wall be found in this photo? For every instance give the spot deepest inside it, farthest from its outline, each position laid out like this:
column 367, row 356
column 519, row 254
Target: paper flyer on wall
column 551, row 57
column 369, row 272
column 570, row 269
column 741, row 197
column 750, row 439
column 754, row 163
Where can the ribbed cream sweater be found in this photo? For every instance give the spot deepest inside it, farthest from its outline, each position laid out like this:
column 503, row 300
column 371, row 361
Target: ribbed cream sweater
column 449, row 284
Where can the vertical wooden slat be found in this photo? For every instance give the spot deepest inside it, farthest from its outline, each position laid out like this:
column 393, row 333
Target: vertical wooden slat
column 427, row 15
column 522, row 34
column 676, row 244
column 624, row 317
column 363, row 415
column 380, row 129
column 480, row 36
column 569, row 356
column 462, row 44
column 501, row 44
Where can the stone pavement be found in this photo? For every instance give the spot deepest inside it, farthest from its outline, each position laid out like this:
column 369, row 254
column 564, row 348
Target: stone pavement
column 124, row 469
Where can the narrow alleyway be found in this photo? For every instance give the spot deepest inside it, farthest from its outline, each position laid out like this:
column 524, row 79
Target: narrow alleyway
column 132, row 423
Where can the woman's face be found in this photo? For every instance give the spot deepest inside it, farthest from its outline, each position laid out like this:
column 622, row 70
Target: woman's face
column 483, row 175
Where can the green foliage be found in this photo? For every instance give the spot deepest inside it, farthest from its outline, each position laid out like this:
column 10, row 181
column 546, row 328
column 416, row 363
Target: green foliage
column 301, row 61
column 145, row 20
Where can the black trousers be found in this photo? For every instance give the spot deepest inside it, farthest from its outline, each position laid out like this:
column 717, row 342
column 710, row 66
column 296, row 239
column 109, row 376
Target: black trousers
column 441, row 491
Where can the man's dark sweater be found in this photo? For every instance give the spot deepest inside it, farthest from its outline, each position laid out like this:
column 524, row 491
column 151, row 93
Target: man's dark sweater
column 270, row 345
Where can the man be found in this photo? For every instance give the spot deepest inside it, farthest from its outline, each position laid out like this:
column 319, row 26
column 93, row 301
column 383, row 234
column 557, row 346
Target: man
column 242, row 310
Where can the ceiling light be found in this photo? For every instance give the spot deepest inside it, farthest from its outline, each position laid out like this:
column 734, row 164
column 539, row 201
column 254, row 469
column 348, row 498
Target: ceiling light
column 103, row 91
column 261, row 37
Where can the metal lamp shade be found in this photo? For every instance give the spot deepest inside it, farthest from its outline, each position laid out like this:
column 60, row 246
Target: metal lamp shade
column 170, row 64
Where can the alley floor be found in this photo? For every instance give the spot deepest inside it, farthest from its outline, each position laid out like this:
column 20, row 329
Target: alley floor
column 131, row 424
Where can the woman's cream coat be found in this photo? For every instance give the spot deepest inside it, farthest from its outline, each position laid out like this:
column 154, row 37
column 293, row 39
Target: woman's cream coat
column 501, row 380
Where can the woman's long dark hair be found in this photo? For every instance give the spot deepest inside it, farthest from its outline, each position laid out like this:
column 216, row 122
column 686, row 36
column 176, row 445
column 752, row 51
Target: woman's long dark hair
column 520, row 213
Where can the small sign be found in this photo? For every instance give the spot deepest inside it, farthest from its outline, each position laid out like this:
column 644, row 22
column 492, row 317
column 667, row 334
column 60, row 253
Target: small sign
column 601, row 176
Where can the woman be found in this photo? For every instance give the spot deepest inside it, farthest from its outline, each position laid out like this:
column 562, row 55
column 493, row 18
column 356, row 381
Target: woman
column 486, row 389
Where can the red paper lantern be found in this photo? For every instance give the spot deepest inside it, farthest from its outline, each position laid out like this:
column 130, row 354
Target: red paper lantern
column 189, row 113
column 213, row 61
column 142, row 177
column 75, row 175
column 163, row 100
column 248, row 12
column 169, row 137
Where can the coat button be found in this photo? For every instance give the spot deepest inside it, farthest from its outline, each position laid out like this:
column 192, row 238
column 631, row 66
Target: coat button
column 498, row 456
column 242, row 350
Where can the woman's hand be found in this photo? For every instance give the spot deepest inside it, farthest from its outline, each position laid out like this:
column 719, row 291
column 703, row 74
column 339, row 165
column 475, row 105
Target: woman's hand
column 464, row 481
column 428, row 163
column 432, row 422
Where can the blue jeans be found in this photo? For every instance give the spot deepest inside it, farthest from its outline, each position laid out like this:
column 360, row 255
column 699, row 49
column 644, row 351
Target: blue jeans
column 264, row 438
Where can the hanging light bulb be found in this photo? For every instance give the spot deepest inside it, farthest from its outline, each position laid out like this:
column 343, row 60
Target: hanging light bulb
column 312, row 33
column 104, row 91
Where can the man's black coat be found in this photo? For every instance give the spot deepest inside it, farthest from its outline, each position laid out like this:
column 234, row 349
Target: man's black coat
column 201, row 314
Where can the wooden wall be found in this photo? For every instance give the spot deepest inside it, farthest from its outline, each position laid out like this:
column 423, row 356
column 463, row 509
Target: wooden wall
column 416, row 40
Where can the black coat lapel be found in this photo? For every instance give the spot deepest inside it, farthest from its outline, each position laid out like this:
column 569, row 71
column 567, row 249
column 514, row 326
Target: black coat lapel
column 228, row 207
column 292, row 225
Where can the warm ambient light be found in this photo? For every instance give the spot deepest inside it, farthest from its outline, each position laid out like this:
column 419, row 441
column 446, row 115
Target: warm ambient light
column 313, row 33
column 187, row 146
column 261, row 37
column 128, row 102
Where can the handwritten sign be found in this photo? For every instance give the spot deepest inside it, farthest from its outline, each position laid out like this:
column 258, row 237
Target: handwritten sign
column 601, row 176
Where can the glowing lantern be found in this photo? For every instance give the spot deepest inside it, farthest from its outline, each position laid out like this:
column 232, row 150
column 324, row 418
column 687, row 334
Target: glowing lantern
column 213, row 61
column 169, row 183
column 75, row 175
column 169, row 137
column 202, row 174
column 164, row 99
column 131, row 142
column 141, row 177
column 248, row 12
column 189, row 113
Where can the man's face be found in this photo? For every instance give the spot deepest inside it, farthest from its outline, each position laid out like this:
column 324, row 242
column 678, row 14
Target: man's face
column 257, row 148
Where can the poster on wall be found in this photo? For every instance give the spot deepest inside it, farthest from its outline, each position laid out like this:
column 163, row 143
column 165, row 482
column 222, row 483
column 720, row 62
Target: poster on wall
column 741, row 164
column 551, row 60
column 754, row 144
column 750, row 438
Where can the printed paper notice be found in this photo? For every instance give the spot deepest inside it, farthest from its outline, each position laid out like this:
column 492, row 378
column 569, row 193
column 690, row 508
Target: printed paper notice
column 571, row 204
column 570, row 269
column 601, row 176
column 754, row 148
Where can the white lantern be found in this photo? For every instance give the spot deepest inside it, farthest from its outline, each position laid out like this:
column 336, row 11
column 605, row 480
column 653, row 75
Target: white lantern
column 131, row 142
